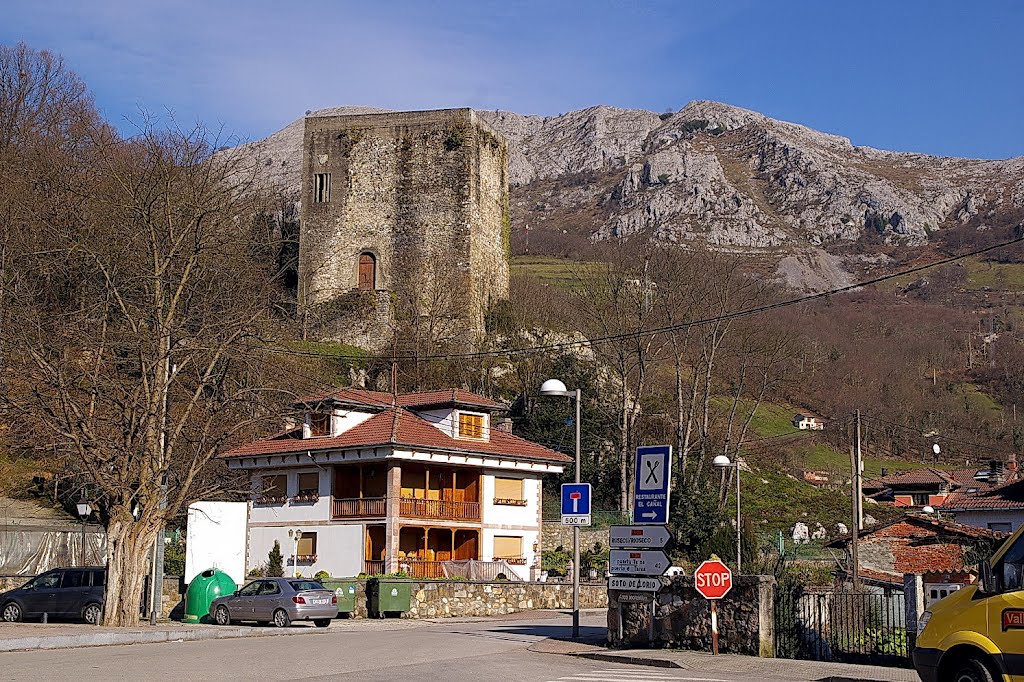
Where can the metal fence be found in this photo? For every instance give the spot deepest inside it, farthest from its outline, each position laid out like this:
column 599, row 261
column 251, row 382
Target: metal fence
column 845, row 627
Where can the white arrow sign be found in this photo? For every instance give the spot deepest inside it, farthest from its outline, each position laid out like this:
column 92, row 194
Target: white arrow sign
column 649, row 537
column 633, row 584
column 638, row 562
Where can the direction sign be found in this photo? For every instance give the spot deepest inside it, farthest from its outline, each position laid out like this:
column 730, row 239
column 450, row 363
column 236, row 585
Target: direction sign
column 648, row 537
column 636, row 598
column 633, row 584
column 650, row 492
column 576, row 504
column 638, row 562
column 713, row 579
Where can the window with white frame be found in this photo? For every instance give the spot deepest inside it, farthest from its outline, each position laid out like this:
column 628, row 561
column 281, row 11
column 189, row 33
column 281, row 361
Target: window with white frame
column 472, row 425
column 509, row 491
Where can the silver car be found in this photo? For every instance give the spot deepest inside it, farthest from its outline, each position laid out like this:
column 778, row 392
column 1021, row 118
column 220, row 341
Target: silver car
column 278, row 601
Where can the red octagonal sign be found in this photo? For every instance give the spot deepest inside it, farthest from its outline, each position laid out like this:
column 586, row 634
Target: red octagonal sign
column 713, row 579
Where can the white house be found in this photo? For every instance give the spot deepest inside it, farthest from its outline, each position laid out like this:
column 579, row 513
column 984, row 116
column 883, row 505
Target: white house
column 807, row 422
column 378, row 483
column 999, row 508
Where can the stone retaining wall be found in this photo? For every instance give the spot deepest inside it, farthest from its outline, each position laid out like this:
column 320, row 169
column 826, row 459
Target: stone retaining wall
column 682, row 618
column 555, row 534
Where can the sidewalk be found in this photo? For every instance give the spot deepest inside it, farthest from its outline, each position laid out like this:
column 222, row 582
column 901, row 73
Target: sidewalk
column 749, row 666
column 21, row 636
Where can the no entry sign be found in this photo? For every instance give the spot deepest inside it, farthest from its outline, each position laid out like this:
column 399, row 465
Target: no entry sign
column 713, row 579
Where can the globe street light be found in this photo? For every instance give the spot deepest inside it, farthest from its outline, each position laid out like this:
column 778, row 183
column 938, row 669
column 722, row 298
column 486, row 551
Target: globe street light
column 555, row 387
column 84, row 509
column 723, row 462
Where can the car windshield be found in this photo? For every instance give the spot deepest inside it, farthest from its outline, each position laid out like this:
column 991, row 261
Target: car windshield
column 300, row 585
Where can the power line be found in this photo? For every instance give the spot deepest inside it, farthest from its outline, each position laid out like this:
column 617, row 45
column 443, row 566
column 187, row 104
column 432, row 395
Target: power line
column 565, row 345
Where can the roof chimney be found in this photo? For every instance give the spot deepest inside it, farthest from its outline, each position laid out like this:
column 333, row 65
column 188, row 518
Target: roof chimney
column 885, row 472
column 1011, row 463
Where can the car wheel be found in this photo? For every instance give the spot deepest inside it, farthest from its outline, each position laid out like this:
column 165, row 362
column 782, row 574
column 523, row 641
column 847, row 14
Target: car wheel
column 971, row 670
column 91, row 614
column 281, row 618
column 321, row 622
column 222, row 616
column 12, row 612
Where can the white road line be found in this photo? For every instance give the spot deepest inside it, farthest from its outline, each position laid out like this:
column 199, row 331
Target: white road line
column 618, row 676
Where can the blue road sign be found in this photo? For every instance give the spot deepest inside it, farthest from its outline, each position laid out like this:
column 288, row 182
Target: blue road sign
column 575, row 499
column 650, row 492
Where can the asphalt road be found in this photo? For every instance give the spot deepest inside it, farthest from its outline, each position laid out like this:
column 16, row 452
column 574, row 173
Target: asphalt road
column 351, row 650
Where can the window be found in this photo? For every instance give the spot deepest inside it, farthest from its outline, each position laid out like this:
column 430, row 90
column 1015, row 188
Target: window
column 251, row 589
column 321, row 188
column 367, row 272
column 319, row 424
column 471, row 425
column 509, row 491
column 301, row 585
column 508, row 547
column 307, row 547
column 275, row 489
column 75, row 579
column 1001, row 527
column 919, row 499
column 309, row 484
column 47, row 581
column 99, row 578
column 269, row 587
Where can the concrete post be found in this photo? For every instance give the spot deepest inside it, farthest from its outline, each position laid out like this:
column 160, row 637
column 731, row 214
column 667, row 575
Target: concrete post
column 913, row 601
column 393, row 511
column 765, row 615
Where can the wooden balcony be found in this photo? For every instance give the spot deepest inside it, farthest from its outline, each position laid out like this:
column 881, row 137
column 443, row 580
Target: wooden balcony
column 421, row 569
column 444, row 510
column 374, row 567
column 358, row 506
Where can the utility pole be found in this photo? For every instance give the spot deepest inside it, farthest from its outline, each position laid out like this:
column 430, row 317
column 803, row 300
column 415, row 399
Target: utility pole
column 855, row 500
column 858, row 475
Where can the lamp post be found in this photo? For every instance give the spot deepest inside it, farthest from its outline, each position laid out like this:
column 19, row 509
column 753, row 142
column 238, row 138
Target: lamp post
column 554, row 387
column 84, row 509
column 723, row 462
column 295, row 535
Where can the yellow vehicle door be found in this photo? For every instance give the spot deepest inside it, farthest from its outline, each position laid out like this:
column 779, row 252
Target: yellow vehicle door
column 1005, row 606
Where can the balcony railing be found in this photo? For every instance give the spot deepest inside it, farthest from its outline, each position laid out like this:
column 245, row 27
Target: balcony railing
column 447, row 510
column 374, row 567
column 421, row 569
column 359, row 506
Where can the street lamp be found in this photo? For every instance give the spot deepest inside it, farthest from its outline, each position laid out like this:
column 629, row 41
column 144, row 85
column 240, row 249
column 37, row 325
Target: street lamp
column 555, row 387
column 295, row 535
column 723, row 462
column 84, row 509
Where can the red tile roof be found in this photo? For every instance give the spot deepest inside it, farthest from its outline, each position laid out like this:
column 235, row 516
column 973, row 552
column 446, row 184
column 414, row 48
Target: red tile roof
column 920, row 526
column 1006, row 496
column 400, row 427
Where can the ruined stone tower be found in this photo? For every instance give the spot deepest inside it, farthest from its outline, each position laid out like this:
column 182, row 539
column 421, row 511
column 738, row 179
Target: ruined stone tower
column 401, row 209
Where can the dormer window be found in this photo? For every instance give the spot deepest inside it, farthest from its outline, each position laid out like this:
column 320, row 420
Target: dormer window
column 319, row 424
column 472, row 425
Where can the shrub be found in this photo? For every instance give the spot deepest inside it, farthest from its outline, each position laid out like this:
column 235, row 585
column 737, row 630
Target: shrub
column 275, row 562
column 322, row 575
column 174, row 558
column 258, row 572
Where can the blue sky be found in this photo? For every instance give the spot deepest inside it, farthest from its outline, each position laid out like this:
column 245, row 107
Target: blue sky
column 931, row 76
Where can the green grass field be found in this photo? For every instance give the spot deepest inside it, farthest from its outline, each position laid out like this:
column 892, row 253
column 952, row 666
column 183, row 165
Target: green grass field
column 996, row 276
column 549, row 269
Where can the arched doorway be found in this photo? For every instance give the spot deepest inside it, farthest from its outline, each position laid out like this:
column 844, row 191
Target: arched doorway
column 367, row 272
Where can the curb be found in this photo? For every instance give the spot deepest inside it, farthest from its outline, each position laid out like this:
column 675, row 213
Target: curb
column 122, row 638
column 630, row 660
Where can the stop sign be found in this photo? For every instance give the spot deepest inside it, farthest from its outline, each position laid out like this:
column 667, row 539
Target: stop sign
column 713, row 579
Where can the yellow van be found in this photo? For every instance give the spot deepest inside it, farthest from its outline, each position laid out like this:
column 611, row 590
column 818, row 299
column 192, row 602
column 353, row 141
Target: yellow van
column 977, row 634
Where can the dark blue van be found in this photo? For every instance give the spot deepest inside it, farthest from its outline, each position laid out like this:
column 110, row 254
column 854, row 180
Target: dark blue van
column 62, row 592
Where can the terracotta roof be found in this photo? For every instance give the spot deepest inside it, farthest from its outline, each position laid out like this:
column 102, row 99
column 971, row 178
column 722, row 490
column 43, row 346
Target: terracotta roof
column 1006, row 496
column 925, row 476
column 378, row 399
column 918, row 526
column 881, row 576
column 399, row 426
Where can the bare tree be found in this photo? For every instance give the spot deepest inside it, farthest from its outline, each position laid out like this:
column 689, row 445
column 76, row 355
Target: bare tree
column 140, row 332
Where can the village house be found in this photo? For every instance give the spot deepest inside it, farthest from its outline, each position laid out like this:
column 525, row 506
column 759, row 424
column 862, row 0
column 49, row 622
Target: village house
column 933, row 487
column 379, row 483
column 936, row 549
column 999, row 508
column 808, row 422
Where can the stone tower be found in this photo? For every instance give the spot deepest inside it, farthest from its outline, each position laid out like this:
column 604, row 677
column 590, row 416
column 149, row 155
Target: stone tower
column 405, row 208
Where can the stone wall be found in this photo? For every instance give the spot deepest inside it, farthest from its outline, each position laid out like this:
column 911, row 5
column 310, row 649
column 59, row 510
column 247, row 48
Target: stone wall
column 461, row 598
column 555, row 533
column 682, row 618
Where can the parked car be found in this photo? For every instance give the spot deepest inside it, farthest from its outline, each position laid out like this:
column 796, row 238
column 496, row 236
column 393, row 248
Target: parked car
column 62, row 592
column 278, row 601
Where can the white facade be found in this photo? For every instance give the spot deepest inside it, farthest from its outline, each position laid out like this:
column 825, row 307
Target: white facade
column 216, row 539
column 993, row 519
column 339, row 548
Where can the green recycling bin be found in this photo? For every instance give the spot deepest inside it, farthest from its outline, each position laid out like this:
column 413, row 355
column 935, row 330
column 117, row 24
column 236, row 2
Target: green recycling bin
column 390, row 596
column 345, row 590
column 204, row 588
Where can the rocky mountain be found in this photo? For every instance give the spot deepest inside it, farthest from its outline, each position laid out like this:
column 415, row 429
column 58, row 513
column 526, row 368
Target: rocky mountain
column 727, row 176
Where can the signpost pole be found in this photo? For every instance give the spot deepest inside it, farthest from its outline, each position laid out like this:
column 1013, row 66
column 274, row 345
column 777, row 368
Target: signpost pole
column 576, row 538
column 714, row 627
